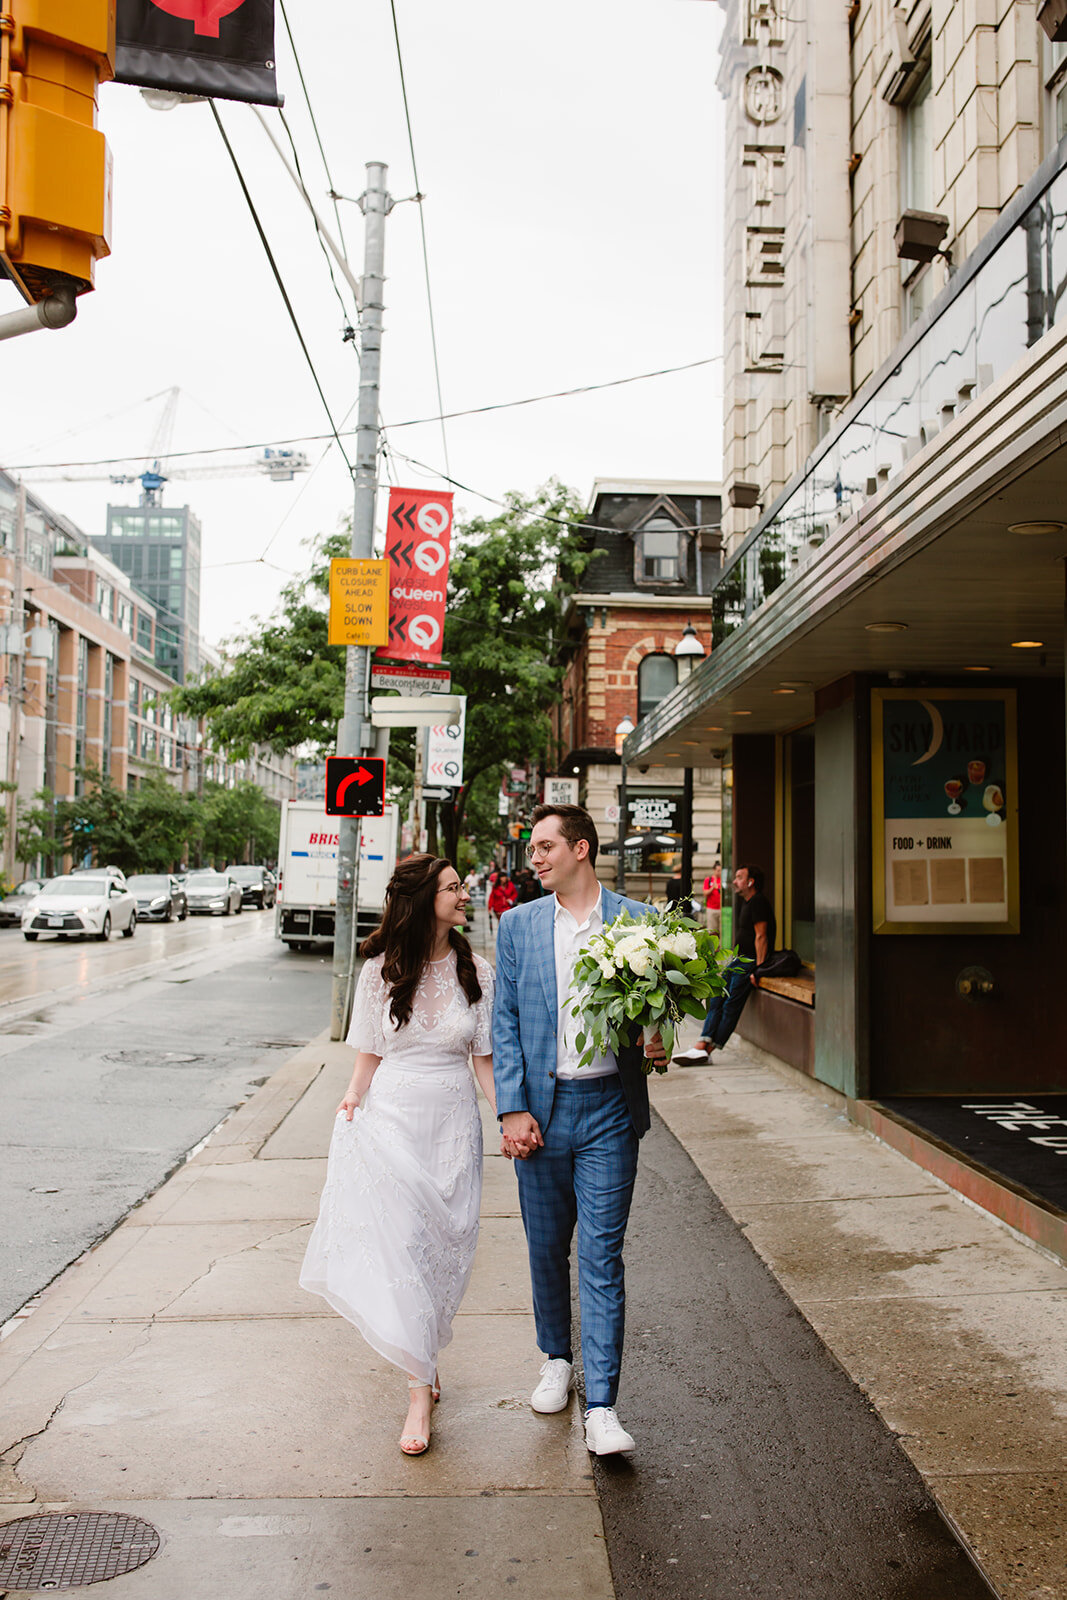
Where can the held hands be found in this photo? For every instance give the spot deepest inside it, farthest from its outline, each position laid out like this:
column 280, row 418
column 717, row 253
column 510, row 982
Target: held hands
column 521, row 1135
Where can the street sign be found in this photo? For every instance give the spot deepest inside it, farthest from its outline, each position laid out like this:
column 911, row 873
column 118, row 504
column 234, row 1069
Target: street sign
column 561, row 791
column 418, row 535
column 412, row 675
column 355, row 786
column 438, row 794
column 443, row 760
column 359, row 602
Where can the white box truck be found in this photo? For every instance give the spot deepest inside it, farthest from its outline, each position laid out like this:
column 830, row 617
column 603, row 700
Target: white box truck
column 307, row 871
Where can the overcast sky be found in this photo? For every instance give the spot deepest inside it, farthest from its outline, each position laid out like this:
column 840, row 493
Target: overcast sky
column 571, row 155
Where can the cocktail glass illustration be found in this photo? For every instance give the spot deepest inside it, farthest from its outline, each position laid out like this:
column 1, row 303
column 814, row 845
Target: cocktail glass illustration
column 975, row 771
column 993, row 801
column 954, row 788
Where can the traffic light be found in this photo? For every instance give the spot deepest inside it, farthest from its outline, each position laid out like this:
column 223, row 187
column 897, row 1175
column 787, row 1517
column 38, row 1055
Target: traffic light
column 55, row 166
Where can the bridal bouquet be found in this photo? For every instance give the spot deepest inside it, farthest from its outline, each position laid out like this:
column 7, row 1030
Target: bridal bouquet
column 646, row 972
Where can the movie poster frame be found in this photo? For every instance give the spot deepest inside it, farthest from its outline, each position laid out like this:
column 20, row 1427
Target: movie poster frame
column 879, row 866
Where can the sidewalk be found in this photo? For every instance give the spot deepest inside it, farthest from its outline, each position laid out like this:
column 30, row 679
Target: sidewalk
column 177, row 1372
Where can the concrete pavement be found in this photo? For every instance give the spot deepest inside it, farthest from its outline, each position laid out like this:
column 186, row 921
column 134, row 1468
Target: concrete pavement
column 178, row 1373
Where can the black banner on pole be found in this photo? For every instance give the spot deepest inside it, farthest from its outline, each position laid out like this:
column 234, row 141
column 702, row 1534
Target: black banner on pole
column 223, row 49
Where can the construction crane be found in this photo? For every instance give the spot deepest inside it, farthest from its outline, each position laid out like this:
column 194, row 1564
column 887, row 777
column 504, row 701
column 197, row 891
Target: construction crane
column 280, row 466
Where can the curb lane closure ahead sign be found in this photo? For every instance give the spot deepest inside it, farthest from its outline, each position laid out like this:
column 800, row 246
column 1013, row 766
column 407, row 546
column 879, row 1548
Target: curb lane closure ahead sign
column 359, row 602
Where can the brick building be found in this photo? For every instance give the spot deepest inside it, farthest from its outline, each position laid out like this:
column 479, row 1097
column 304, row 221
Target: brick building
column 656, row 548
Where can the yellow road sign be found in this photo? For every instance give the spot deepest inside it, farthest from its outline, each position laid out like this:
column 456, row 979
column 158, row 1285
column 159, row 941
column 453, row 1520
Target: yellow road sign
column 359, row 602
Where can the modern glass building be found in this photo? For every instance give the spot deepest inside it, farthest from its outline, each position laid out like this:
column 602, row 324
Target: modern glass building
column 158, row 548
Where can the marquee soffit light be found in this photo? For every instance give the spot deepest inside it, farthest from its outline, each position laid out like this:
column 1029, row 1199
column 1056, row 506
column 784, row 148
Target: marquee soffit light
column 1027, row 644
column 978, row 669
column 783, row 691
column 1033, row 528
column 887, row 627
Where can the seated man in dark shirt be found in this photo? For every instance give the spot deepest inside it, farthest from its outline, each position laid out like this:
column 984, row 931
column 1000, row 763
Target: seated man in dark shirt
column 755, row 928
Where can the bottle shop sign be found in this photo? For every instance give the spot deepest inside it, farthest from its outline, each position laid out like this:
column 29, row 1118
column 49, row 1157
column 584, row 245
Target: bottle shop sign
column 418, row 545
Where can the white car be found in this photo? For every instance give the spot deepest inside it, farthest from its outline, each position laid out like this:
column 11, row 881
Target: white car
column 81, row 904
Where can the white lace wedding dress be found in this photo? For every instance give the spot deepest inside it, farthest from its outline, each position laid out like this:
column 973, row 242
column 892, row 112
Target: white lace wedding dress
column 398, row 1222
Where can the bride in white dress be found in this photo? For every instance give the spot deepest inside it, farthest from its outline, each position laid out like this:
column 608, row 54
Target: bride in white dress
column 394, row 1244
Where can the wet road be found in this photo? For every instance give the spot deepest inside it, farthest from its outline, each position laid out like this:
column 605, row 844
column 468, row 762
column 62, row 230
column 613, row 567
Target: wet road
column 117, row 1059
column 761, row 1471
column 58, row 968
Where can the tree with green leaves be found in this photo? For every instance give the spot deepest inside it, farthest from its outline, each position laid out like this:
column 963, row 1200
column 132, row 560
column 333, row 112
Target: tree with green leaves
column 239, row 824
column 282, row 685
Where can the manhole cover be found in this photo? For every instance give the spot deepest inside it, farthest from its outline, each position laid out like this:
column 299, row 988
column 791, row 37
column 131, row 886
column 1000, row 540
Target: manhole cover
column 67, row 1550
column 145, row 1058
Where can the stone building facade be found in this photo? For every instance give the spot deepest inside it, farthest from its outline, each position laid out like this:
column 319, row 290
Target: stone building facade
column 841, row 119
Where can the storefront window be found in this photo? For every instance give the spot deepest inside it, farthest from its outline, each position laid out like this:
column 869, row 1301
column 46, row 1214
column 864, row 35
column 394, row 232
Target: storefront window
column 799, row 879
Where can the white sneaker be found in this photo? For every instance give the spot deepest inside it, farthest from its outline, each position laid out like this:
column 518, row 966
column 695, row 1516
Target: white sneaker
column 557, row 1381
column 692, row 1058
column 605, row 1434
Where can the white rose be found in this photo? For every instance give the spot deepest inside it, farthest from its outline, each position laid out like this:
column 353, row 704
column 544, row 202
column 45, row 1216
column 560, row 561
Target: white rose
column 682, row 945
column 639, row 961
column 606, row 967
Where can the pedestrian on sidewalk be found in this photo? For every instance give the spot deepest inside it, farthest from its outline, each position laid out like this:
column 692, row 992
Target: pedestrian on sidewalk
column 713, row 900
column 574, row 1130
column 756, row 928
column 394, row 1243
column 501, row 898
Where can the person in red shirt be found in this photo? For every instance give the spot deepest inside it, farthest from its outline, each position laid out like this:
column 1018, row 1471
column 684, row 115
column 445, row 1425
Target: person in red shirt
column 713, row 900
column 502, row 897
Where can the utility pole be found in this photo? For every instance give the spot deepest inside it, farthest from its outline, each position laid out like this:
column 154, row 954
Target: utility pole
column 354, row 733
column 14, row 682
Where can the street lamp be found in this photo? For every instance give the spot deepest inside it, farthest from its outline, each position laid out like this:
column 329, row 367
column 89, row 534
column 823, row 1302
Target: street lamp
column 687, row 652
column 623, row 731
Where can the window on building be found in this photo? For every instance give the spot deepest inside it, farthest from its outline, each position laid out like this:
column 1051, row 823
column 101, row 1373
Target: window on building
column 1054, row 72
column 144, row 631
column 109, row 690
column 135, row 694
column 656, row 677
column 124, row 616
column 917, row 188
column 658, row 556
column 105, row 599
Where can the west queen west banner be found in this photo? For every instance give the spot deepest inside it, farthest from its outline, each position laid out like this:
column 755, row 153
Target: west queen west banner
column 223, row 49
column 417, row 544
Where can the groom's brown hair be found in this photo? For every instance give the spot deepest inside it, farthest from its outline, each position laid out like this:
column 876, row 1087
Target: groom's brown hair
column 574, row 823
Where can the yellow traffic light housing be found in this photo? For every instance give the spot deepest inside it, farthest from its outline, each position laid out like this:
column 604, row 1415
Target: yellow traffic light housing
column 55, row 165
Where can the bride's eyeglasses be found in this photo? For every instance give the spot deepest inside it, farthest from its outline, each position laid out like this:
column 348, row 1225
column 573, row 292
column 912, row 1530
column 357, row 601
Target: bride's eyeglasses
column 452, row 888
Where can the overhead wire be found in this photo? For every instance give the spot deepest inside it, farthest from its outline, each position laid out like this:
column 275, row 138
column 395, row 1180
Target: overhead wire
column 334, row 196
column 279, row 281
column 318, row 234
column 420, row 199
column 413, row 422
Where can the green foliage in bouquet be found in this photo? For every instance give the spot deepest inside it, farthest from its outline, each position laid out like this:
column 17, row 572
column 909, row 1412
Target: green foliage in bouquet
column 645, row 972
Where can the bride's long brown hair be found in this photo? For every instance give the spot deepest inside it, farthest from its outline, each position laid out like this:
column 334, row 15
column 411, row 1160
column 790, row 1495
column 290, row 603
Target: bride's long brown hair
column 406, row 935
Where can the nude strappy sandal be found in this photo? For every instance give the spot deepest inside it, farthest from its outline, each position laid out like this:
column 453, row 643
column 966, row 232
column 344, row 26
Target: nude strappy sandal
column 416, row 1444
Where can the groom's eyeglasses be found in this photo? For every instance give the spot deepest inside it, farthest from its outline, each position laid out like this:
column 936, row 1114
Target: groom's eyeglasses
column 539, row 852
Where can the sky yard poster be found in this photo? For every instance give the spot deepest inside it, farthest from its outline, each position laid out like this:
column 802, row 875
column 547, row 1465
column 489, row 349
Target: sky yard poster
column 944, row 811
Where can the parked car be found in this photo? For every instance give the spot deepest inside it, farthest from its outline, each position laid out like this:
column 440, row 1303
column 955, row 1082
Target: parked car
column 214, row 893
column 259, row 886
column 14, row 904
column 159, row 895
column 80, row 904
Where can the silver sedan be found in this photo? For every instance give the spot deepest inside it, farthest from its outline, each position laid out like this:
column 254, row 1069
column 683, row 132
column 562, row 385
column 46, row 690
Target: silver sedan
column 214, row 894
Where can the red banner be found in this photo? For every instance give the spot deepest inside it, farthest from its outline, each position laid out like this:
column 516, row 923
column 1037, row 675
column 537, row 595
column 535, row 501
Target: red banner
column 417, row 544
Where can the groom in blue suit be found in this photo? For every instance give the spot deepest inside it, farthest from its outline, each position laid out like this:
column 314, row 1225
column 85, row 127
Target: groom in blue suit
column 573, row 1131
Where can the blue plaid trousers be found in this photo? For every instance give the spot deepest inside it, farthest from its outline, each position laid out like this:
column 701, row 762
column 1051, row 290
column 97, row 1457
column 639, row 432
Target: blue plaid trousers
column 584, row 1174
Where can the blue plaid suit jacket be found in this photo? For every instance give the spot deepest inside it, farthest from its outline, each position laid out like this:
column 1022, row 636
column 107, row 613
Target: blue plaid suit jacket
column 526, row 1010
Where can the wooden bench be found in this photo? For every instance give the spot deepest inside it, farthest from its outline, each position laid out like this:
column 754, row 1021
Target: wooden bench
column 801, row 988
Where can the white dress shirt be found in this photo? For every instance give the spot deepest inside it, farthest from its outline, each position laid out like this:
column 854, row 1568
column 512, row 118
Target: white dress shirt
column 569, row 938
